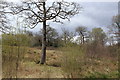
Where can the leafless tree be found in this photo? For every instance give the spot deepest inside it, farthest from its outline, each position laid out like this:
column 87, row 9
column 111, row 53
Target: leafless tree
column 36, row 11
column 4, row 21
column 67, row 36
column 81, row 30
column 116, row 23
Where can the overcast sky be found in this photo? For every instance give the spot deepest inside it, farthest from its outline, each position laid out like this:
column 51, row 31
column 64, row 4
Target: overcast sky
column 94, row 14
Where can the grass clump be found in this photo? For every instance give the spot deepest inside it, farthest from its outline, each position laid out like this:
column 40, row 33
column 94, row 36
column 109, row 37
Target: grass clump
column 72, row 60
column 13, row 50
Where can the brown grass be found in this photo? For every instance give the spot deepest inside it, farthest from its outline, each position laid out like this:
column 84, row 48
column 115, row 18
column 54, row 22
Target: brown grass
column 91, row 67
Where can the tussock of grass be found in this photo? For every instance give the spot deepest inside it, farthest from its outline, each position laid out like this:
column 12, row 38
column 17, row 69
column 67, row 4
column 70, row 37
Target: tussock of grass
column 72, row 60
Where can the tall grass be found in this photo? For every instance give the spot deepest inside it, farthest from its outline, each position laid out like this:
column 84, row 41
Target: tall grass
column 0, row 59
column 86, row 61
column 72, row 60
column 13, row 51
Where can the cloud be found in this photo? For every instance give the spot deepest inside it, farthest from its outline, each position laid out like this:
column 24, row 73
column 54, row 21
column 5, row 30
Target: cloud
column 95, row 14
column 72, row 0
column 87, row 0
column 101, row 12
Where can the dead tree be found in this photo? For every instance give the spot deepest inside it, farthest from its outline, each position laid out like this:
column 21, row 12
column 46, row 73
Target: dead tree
column 35, row 12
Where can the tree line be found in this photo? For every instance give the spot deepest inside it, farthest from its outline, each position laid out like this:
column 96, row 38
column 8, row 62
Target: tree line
column 55, row 39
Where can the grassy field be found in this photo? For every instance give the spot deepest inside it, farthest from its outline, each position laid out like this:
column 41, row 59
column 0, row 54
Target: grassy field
column 0, row 63
column 106, row 67
column 30, row 69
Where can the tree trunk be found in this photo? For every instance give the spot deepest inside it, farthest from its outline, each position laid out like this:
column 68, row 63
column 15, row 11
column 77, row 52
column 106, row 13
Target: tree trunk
column 43, row 55
column 83, row 39
column 119, row 36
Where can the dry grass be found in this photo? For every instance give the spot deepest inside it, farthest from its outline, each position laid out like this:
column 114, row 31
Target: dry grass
column 0, row 62
column 91, row 67
column 29, row 69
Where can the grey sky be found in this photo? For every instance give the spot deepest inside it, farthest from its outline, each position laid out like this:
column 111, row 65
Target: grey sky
column 94, row 14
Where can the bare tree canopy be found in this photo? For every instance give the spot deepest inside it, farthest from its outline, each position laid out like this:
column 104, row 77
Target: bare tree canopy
column 81, row 30
column 4, row 21
column 116, row 23
column 35, row 12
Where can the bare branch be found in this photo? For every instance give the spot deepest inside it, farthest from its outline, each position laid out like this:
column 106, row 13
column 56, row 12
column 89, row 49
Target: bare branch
column 33, row 12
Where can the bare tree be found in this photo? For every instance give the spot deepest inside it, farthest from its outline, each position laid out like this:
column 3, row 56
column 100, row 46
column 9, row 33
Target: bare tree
column 67, row 36
column 4, row 21
column 81, row 30
column 35, row 12
column 116, row 23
